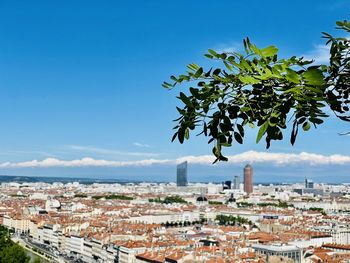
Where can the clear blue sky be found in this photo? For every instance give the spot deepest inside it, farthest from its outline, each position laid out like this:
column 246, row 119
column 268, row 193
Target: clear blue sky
column 83, row 79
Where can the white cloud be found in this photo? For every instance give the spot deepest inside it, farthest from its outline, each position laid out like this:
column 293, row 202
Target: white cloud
column 275, row 158
column 320, row 54
column 142, row 145
column 229, row 47
column 84, row 162
column 96, row 150
column 279, row 159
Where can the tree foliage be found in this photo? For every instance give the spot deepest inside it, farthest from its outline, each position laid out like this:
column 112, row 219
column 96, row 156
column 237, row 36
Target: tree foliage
column 169, row 200
column 10, row 252
column 280, row 204
column 232, row 220
column 113, row 197
column 257, row 88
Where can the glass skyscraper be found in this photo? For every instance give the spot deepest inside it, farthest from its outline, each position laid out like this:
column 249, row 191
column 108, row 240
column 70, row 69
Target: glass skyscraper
column 181, row 174
column 309, row 183
column 237, row 182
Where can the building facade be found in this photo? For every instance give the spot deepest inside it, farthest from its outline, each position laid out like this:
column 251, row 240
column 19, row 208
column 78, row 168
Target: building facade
column 248, row 179
column 309, row 184
column 236, row 182
column 181, row 174
column 288, row 251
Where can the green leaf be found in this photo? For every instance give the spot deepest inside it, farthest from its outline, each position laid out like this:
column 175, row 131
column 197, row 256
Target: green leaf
column 313, row 76
column 273, row 121
column 240, row 129
column 217, row 150
column 181, row 135
column 292, row 76
column 262, row 131
column 185, row 99
column 251, row 125
column 306, row 126
column 187, row 134
column 216, row 72
column 181, row 111
column 174, row 136
column 245, row 65
column 212, row 52
column 198, row 73
column 269, row 51
column 238, row 137
column 193, row 67
column 294, row 132
column 167, row 85
column 228, row 66
column 316, row 120
column 248, row 79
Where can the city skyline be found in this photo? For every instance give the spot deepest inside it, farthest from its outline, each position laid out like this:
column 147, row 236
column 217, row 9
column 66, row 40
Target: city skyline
column 199, row 173
column 99, row 222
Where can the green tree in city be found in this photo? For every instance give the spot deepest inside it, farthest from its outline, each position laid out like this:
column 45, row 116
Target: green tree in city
column 231, row 220
column 174, row 199
column 257, row 88
column 10, row 252
column 14, row 254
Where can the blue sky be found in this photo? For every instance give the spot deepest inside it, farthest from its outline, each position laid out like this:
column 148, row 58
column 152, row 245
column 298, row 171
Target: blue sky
column 83, row 79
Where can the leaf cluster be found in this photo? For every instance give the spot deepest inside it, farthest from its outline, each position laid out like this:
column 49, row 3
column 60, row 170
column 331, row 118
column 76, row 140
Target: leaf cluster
column 257, row 88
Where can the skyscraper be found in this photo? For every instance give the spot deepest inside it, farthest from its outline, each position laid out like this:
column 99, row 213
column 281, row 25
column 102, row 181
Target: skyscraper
column 181, row 175
column 236, row 182
column 309, row 183
column 248, row 178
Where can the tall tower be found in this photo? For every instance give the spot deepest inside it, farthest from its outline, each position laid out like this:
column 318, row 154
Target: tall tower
column 248, row 179
column 236, row 182
column 181, row 175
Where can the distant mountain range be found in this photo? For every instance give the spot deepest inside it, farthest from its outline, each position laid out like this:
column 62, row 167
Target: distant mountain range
column 37, row 179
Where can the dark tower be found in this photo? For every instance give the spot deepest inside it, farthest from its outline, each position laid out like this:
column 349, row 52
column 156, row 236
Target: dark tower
column 181, row 175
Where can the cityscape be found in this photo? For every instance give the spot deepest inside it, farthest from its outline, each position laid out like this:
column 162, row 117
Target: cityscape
column 175, row 131
column 232, row 221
